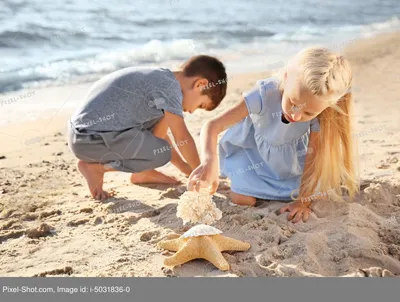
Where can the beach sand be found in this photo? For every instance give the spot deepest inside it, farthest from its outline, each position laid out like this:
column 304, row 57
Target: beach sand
column 50, row 226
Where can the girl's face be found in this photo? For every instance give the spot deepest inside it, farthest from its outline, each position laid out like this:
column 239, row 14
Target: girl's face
column 298, row 103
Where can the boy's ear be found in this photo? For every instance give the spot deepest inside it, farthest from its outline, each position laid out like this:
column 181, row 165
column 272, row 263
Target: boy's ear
column 201, row 84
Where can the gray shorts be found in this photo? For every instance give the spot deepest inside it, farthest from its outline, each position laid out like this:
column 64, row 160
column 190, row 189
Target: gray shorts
column 133, row 150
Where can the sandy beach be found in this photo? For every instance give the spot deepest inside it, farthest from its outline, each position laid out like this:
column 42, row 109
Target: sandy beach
column 49, row 226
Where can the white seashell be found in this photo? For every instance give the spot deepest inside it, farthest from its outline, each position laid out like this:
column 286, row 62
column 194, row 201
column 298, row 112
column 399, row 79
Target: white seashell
column 201, row 230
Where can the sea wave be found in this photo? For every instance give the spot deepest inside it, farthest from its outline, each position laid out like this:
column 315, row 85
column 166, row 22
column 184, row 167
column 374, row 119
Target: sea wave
column 59, row 72
column 91, row 63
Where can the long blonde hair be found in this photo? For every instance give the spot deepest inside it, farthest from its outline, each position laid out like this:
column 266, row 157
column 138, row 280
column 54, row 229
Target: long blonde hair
column 333, row 167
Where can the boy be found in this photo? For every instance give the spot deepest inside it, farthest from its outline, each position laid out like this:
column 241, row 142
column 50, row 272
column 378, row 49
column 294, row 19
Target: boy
column 122, row 124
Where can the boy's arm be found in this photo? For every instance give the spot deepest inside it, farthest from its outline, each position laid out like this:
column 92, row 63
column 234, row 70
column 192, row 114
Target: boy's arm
column 183, row 139
column 160, row 130
column 177, row 160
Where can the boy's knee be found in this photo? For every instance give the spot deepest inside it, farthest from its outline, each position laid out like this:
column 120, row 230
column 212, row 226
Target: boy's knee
column 166, row 158
column 162, row 155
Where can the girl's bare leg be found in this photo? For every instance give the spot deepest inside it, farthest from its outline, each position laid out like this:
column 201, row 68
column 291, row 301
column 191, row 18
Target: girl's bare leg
column 242, row 200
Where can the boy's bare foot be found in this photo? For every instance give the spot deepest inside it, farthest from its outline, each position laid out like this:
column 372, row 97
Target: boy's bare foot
column 93, row 174
column 153, row 177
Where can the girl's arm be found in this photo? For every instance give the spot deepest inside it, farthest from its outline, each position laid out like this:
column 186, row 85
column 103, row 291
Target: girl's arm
column 207, row 173
column 300, row 209
column 213, row 127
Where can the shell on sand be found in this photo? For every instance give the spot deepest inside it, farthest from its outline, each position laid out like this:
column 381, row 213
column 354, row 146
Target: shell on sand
column 201, row 230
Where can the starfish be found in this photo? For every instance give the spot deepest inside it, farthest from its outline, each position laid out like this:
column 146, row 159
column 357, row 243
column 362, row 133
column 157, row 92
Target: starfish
column 208, row 245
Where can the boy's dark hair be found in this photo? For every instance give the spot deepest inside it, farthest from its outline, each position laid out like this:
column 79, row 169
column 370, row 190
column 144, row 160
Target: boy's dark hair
column 211, row 69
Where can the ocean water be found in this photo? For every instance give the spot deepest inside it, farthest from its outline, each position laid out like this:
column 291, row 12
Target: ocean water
column 56, row 42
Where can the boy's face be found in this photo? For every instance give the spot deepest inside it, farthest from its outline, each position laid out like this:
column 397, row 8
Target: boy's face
column 193, row 97
column 298, row 103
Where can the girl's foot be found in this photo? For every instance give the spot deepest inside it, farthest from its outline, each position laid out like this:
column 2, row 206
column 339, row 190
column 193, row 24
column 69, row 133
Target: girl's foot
column 153, row 177
column 93, row 174
column 243, row 200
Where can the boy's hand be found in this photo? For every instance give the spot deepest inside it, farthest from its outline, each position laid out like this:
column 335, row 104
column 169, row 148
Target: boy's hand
column 204, row 176
column 297, row 210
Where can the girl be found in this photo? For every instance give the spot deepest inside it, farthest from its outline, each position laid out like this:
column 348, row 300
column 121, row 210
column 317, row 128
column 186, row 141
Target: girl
column 289, row 134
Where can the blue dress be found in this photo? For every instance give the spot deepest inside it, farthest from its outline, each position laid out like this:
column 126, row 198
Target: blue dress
column 262, row 156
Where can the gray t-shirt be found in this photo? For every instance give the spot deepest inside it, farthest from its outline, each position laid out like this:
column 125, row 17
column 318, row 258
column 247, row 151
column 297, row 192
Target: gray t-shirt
column 129, row 98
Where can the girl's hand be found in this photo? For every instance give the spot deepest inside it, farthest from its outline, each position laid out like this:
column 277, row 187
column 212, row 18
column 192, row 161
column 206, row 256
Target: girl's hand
column 297, row 210
column 204, row 176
